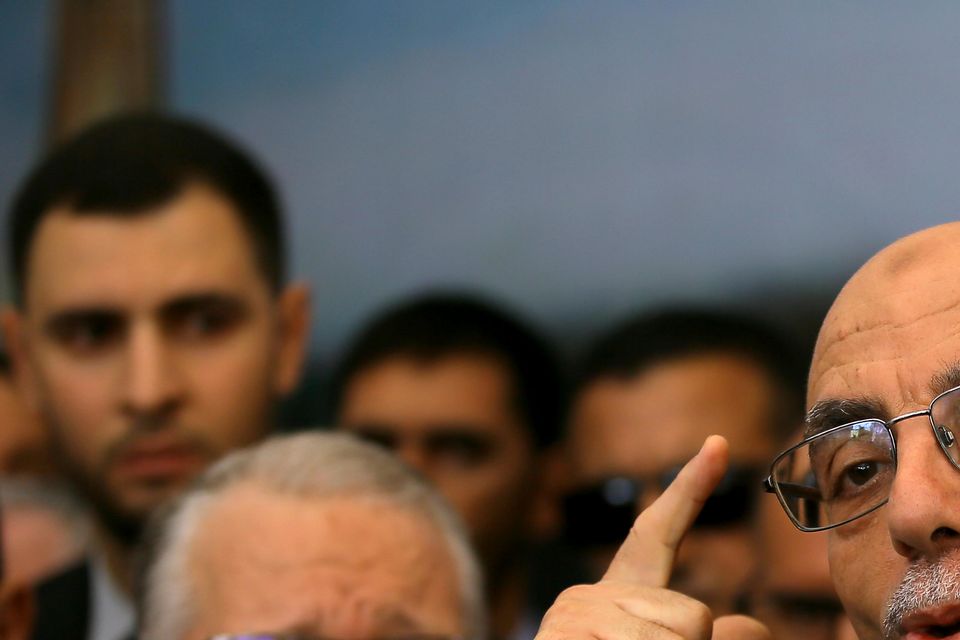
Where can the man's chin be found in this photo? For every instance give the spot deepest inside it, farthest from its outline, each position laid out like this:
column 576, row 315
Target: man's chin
column 125, row 515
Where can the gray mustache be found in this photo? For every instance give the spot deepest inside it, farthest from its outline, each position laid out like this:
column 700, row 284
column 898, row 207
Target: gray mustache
column 926, row 584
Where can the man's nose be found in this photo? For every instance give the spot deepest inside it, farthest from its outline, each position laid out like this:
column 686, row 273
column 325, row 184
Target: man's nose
column 412, row 451
column 152, row 384
column 843, row 630
column 922, row 513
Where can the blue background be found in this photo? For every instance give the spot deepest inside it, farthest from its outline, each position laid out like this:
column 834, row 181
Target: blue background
column 577, row 159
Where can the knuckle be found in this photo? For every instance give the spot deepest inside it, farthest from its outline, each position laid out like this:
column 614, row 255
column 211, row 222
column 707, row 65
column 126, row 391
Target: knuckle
column 700, row 618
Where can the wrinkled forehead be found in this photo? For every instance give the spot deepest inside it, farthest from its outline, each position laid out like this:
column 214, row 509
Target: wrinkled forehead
column 894, row 325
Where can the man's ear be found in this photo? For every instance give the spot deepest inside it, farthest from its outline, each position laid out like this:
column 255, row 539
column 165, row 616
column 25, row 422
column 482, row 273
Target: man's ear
column 13, row 327
column 544, row 515
column 293, row 333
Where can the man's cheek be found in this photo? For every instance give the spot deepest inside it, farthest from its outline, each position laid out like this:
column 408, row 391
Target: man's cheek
column 865, row 571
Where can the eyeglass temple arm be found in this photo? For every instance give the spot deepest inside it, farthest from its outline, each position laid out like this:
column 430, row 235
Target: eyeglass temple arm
column 792, row 490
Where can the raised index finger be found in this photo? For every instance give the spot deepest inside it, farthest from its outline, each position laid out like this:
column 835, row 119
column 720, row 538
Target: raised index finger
column 646, row 556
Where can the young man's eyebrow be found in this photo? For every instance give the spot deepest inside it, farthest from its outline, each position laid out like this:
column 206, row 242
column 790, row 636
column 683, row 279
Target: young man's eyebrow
column 192, row 301
column 70, row 315
column 834, row 412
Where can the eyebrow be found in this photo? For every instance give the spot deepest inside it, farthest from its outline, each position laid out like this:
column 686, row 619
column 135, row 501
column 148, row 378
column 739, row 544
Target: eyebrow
column 393, row 619
column 834, row 412
column 179, row 304
column 194, row 301
column 59, row 320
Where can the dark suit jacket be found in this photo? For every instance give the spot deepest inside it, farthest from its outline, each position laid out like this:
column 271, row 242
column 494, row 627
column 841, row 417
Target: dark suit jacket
column 63, row 605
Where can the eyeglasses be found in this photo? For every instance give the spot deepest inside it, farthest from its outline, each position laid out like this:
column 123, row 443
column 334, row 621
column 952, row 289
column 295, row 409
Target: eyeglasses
column 600, row 514
column 846, row 472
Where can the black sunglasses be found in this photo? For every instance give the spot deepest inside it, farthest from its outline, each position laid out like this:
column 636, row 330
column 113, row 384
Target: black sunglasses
column 601, row 514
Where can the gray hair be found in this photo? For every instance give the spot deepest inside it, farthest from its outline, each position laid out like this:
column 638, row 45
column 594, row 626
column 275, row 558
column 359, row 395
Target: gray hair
column 314, row 465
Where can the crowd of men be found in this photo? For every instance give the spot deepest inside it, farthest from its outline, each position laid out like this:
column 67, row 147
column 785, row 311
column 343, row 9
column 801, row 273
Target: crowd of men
column 467, row 485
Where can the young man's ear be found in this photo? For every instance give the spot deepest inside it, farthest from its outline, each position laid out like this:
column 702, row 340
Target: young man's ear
column 13, row 328
column 294, row 333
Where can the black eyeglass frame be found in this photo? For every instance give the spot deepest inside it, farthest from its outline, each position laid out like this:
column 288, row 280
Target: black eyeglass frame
column 772, row 486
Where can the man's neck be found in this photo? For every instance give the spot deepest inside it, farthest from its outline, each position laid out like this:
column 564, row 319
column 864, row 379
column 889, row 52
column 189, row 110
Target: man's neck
column 118, row 559
column 507, row 601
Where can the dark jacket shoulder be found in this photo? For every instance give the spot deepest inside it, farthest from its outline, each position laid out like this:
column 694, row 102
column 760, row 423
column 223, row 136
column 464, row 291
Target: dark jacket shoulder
column 63, row 605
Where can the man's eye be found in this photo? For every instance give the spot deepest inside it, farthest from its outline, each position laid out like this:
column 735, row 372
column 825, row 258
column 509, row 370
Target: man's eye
column 198, row 324
column 378, row 436
column 463, row 450
column 858, row 478
column 861, row 473
column 88, row 334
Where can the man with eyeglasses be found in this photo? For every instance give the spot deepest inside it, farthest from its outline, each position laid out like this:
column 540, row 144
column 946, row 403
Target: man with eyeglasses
column 309, row 537
column 882, row 442
column 885, row 483
column 647, row 393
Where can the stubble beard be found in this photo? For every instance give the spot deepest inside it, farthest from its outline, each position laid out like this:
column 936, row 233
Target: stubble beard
column 926, row 584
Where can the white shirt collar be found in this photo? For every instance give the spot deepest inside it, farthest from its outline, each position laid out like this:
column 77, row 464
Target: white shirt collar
column 111, row 615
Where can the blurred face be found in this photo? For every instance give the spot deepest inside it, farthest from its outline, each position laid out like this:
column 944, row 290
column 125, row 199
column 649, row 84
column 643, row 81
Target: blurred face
column 891, row 339
column 793, row 593
column 151, row 345
column 23, row 443
column 333, row 568
column 453, row 420
column 36, row 543
column 645, row 426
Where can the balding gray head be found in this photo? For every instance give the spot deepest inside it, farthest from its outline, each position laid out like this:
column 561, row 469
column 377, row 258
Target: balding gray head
column 314, row 465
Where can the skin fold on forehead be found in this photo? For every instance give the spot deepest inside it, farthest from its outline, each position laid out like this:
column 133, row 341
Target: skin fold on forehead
column 895, row 312
column 311, row 561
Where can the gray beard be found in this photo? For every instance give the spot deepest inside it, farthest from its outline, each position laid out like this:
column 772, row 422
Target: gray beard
column 926, row 584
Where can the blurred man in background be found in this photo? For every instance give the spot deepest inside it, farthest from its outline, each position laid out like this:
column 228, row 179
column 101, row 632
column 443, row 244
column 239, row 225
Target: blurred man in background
column 23, row 441
column 16, row 604
column 792, row 592
column 44, row 529
column 313, row 535
column 469, row 396
column 153, row 331
column 646, row 396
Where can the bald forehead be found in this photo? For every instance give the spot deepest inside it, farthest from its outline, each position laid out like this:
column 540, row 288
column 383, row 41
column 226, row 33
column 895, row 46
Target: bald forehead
column 900, row 313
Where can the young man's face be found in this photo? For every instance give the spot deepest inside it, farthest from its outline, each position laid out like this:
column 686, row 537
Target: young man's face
column 151, row 345
column 453, row 419
column 643, row 427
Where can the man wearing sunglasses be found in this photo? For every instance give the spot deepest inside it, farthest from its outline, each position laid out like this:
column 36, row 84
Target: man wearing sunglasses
column 647, row 394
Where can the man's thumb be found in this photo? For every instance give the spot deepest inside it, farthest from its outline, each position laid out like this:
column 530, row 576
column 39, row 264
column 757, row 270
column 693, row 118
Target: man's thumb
column 739, row 628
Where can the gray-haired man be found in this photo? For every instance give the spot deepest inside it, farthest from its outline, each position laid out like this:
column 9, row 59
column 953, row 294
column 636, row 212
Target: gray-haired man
column 314, row 535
